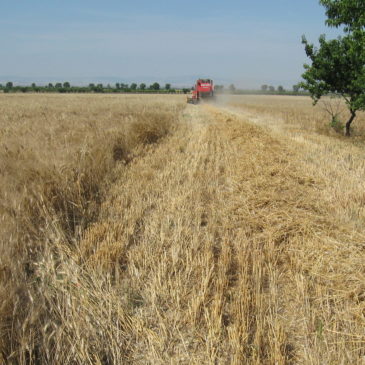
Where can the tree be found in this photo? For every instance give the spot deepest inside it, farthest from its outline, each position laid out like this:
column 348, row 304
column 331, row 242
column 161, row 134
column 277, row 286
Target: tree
column 232, row 88
column 264, row 87
column 168, row 87
column 133, row 86
column 9, row 85
column 271, row 88
column 281, row 89
column 50, row 86
column 338, row 66
column 155, row 86
column 66, row 85
column 296, row 88
column 142, row 86
column 58, row 85
column 117, row 85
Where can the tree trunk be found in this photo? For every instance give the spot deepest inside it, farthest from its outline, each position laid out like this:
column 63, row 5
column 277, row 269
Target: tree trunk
column 348, row 124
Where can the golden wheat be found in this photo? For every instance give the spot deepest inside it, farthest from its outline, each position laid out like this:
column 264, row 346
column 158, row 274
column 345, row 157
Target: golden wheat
column 227, row 242
column 57, row 159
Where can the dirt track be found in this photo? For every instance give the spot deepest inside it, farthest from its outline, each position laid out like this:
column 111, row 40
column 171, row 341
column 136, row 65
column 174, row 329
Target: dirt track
column 221, row 240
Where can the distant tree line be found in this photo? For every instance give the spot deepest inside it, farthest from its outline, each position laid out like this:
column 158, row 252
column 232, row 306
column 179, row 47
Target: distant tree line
column 265, row 89
column 66, row 87
column 120, row 87
column 280, row 90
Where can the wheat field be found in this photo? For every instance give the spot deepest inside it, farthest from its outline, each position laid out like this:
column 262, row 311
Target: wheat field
column 141, row 230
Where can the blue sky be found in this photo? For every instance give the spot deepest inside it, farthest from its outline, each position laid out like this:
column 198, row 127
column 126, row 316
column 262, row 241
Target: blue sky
column 245, row 42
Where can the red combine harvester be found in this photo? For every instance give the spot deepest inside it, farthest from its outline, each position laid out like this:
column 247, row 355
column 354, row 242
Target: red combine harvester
column 203, row 90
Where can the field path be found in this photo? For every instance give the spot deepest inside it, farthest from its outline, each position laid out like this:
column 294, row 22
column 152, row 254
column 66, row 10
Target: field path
column 215, row 242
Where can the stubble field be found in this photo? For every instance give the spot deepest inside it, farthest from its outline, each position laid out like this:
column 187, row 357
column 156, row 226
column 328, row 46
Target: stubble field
column 141, row 230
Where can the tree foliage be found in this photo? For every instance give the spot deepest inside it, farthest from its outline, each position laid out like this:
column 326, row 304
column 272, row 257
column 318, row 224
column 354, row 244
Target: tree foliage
column 338, row 65
column 296, row 88
column 350, row 13
column 155, row 86
column 264, row 87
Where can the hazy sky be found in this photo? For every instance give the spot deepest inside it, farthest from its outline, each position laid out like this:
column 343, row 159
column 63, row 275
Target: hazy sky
column 248, row 42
